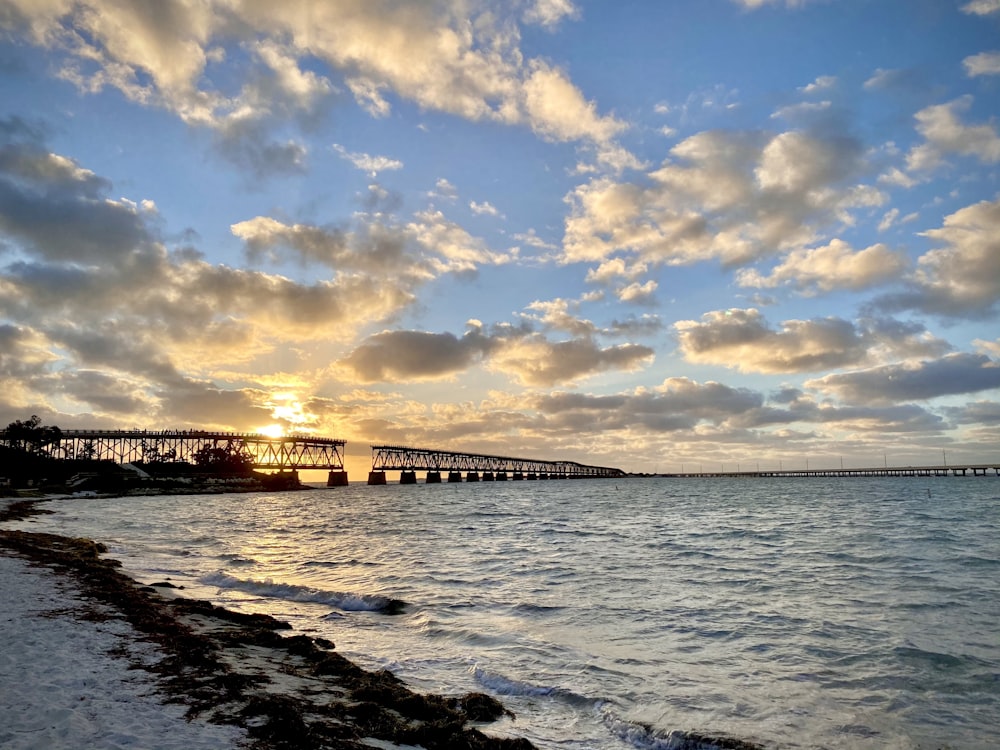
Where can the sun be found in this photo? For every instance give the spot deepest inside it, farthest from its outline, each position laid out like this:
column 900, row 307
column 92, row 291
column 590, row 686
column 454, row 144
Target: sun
column 272, row 431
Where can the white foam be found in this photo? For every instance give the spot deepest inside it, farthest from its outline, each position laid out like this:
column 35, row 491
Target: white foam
column 295, row 593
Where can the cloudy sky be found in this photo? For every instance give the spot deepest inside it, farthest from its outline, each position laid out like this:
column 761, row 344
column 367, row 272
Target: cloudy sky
column 639, row 234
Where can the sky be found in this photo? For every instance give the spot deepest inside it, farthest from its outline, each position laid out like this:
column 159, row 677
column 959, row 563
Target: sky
column 658, row 236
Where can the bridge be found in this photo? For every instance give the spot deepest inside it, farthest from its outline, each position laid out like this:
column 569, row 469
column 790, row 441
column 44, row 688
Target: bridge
column 477, row 466
column 940, row 470
column 287, row 453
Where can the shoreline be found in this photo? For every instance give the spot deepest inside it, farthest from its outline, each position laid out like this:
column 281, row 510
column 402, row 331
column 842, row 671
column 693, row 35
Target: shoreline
column 230, row 668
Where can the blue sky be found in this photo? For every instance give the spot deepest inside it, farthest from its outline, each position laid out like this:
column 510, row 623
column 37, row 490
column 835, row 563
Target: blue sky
column 637, row 234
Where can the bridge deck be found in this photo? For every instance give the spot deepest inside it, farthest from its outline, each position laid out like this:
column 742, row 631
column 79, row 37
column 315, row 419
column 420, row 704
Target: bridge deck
column 940, row 470
column 404, row 458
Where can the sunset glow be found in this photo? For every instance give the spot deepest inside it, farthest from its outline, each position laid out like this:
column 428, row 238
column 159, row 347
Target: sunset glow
column 681, row 233
column 272, row 431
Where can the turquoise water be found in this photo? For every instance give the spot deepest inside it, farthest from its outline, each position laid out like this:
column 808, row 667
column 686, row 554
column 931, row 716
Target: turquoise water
column 612, row 614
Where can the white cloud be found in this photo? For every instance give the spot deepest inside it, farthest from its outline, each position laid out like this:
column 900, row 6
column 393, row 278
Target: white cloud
column 532, row 239
column 981, row 7
column 966, row 271
column 754, row 4
column 945, row 134
column 445, row 57
column 822, row 83
column 800, row 110
column 742, row 339
column 983, row 64
column 897, row 177
column 614, row 269
column 535, row 361
column 734, row 196
column 556, row 108
column 549, row 13
column 991, row 348
column 962, row 277
column 368, row 163
column 888, row 219
column 559, row 314
column 637, row 293
column 830, row 267
column 444, row 189
column 449, row 247
column 485, row 208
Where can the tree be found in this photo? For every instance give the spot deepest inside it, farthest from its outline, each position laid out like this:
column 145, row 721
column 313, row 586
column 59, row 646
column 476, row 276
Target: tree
column 223, row 460
column 31, row 436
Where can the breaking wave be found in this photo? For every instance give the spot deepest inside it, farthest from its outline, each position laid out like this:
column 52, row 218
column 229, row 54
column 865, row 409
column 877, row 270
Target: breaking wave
column 645, row 737
column 295, row 593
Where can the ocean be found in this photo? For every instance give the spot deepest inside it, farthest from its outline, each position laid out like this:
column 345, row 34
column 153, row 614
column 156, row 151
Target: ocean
column 622, row 613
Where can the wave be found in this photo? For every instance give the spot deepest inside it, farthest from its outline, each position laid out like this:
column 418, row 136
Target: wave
column 506, row 686
column 295, row 593
column 636, row 734
column 645, row 737
column 236, row 559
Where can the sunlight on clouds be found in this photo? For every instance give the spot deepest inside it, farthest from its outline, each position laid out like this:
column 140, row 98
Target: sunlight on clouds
column 945, row 134
column 833, row 266
column 557, row 109
column 271, row 216
column 436, row 55
column 271, row 431
column 367, row 163
column 729, row 195
column 550, row 12
column 742, row 339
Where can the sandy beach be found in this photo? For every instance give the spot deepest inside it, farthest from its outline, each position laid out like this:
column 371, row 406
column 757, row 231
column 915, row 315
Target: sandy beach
column 91, row 658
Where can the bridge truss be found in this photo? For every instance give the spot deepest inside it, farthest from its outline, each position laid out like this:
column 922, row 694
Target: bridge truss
column 402, row 458
column 290, row 452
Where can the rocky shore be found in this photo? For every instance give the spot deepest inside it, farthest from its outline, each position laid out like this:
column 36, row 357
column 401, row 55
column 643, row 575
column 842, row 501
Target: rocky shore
column 226, row 668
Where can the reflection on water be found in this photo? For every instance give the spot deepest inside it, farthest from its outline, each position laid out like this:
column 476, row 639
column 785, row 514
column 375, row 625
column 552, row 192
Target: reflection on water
column 836, row 613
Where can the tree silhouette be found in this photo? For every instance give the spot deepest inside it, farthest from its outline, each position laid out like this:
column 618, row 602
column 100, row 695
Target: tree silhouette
column 223, row 460
column 31, row 436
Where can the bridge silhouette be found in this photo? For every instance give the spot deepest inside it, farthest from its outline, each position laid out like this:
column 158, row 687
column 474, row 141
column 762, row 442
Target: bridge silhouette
column 292, row 453
column 477, row 466
column 286, row 453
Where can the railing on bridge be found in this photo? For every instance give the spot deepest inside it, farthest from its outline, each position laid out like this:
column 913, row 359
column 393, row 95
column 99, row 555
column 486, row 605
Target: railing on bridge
column 408, row 461
column 287, row 453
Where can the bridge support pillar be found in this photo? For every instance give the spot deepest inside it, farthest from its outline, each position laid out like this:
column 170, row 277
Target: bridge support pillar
column 472, row 476
column 433, row 477
column 454, row 476
column 488, row 476
column 532, row 476
column 501, row 476
column 337, row 479
column 407, row 477
column 376, row 477
column 518, row 476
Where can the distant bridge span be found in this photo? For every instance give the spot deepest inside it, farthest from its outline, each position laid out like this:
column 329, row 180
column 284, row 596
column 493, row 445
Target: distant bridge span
column 287, row 453
column 478, row 467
